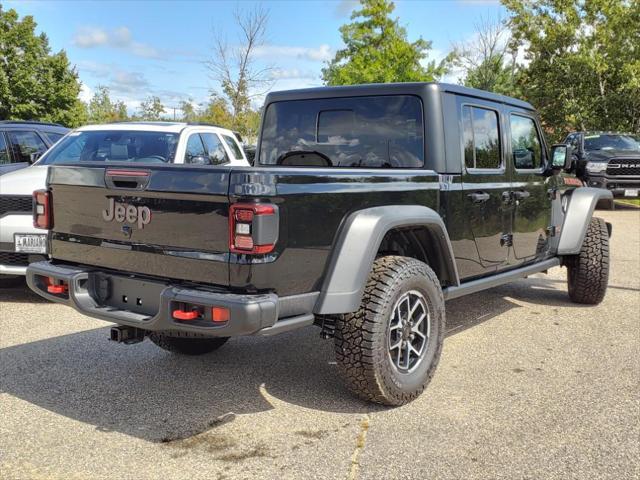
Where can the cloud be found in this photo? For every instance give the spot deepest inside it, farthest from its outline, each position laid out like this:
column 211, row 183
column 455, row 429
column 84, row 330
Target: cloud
column 128, row 82
column 280, row 74
column 345, row 7
column 320, row 54
column 121, row 38
column 86, row 93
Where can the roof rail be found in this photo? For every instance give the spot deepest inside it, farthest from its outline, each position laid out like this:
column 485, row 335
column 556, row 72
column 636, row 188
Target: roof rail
column 205, row 124
column 31, row 122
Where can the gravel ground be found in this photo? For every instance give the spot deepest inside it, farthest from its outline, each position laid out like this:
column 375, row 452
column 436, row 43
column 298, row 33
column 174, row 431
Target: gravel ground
column 530, row 386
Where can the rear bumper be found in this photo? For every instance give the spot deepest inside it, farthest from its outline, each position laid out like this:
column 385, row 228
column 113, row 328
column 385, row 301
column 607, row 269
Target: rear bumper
column 100, row 295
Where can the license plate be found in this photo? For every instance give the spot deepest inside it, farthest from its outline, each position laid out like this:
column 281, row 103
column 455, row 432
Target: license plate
column 30, row 243
column 631, row 192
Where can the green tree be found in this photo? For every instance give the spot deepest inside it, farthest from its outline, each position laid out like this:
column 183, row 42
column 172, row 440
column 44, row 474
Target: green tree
column 189, row 113
column 216, row 111
column 151, row 109
column 582, row 68
column 102, row 109
column 35, row 84
column 377, row 50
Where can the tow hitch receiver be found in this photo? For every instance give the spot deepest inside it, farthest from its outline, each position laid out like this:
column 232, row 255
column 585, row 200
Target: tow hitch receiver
column 126, row 335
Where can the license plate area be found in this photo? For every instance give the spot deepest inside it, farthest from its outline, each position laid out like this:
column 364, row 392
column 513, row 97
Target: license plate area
column 126, row 293
column 631, row 192
column 30, row 243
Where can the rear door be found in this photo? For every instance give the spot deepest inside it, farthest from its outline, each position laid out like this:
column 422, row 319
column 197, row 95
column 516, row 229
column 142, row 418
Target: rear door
column 486, row 184
column 530, row 196
column 164, row 220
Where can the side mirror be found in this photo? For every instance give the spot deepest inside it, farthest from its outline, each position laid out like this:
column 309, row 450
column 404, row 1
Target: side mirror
column 199, row 160
column 561, row 157
column 34, row 156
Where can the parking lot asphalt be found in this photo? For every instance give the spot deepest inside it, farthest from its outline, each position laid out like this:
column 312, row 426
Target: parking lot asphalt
column 530, row 386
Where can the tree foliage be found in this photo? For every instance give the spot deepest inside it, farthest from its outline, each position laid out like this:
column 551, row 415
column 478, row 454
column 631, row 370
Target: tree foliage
column 35, row 84
column 488, row 61
column 101, row 109
column 151, row 109
column 582, row 63
column 377, row 50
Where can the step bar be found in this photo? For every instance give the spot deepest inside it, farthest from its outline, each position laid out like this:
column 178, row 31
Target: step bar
column 498, row 279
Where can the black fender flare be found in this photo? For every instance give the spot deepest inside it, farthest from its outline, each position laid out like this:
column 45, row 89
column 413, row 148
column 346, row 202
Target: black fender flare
column 357, row 245
column 579, row 210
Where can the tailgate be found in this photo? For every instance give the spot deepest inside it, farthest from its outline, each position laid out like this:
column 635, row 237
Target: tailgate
column 168, row 221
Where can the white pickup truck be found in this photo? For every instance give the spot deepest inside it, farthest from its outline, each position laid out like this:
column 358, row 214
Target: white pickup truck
column 161, row 142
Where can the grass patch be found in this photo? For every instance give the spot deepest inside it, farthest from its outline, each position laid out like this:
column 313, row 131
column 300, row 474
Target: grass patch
column 630, row 201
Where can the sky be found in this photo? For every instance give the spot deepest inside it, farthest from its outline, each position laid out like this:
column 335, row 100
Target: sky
column 143, row 48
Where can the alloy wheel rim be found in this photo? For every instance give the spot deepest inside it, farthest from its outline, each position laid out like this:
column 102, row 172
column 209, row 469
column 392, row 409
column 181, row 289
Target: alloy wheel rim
column 409, row 331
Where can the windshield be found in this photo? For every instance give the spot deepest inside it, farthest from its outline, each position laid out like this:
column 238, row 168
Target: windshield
column 113, row 146
column 611, row 142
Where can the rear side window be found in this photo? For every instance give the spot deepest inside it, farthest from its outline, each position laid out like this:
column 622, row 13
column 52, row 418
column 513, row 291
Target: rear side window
column 195, row 150
column 525, row 143
column 353, row 132
column 481, row 138
column 233, row 146
column 4, row 153
column 24, row 144
column 215, row 150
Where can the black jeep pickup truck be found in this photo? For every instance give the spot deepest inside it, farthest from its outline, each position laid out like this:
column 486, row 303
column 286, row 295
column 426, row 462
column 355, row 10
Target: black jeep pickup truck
column 367, row 208
column 607, row 160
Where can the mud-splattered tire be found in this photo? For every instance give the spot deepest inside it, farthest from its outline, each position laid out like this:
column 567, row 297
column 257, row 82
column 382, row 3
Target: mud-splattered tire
column 186, row 345
column 588, row 272
column 363, row 339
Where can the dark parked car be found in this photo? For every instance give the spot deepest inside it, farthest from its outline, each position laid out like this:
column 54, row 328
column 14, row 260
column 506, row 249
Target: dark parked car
column 22, row 142
column 607, row 160
column 368, row 206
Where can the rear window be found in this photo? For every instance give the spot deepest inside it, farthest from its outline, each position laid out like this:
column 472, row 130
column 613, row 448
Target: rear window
column 113, row 146
column 355, row 132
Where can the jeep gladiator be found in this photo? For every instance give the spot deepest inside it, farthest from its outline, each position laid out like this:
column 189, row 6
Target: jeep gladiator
column 367, row 207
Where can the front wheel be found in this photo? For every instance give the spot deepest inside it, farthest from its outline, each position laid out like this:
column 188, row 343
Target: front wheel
column 187, row 345
column 588, row 272
column 388, row 350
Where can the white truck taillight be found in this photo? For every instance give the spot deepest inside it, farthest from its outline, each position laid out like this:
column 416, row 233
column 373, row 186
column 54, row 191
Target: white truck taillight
column 42, row 215
column 253, row 228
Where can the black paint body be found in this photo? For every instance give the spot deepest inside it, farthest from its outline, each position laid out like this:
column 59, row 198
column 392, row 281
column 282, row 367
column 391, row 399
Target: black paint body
column 187, row 239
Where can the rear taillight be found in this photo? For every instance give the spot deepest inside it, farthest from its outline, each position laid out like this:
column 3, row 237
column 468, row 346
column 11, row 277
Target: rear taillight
column 42, row 216
column 253, row 228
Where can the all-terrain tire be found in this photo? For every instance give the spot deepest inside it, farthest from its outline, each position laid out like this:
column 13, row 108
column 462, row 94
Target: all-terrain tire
column 588, row 272
column 187, row 345
column 362, row 345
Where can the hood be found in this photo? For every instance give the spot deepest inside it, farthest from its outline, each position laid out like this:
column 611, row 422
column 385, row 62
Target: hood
column 604, row 155
column 24, row 181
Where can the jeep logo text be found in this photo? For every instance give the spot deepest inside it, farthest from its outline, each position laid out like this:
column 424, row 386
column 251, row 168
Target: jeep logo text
column 123, row 211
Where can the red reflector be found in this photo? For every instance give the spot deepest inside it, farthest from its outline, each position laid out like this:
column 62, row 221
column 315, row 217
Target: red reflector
column 57, row 289
column 244, row 215
column 219, row 314
column 182, row 315
column 243, row 242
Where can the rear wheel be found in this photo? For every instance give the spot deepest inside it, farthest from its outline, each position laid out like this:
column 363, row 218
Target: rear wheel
column 388, row 350
column 187, row 345
column 588, row 272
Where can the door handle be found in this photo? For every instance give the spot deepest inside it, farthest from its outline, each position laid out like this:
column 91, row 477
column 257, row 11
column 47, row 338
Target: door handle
column 521, row 194
column 479, row 197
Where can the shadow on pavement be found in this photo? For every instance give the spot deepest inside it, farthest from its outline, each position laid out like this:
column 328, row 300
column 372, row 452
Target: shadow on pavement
column 145, row 392
column 20, row 293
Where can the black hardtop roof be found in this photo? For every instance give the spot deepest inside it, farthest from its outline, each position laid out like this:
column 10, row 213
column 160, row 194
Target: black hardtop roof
column 417, row 88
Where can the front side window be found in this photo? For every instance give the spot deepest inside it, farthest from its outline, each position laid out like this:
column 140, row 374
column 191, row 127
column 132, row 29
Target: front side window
column 24, row 144
column 113, row 146
column 352, row 132
column 4, row 153
column 233, row 146
column 215, row 150
column 481, row 138
column 525, row 143
column 195, row 152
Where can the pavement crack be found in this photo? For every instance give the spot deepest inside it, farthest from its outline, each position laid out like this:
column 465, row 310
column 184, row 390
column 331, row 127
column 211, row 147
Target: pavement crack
column 360, row 443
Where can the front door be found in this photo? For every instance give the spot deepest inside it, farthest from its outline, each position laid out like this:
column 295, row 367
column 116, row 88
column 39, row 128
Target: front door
column 486, row 186
column 530, row 192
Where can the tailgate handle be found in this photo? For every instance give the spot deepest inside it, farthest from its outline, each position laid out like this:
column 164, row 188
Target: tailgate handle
column 129, row 179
